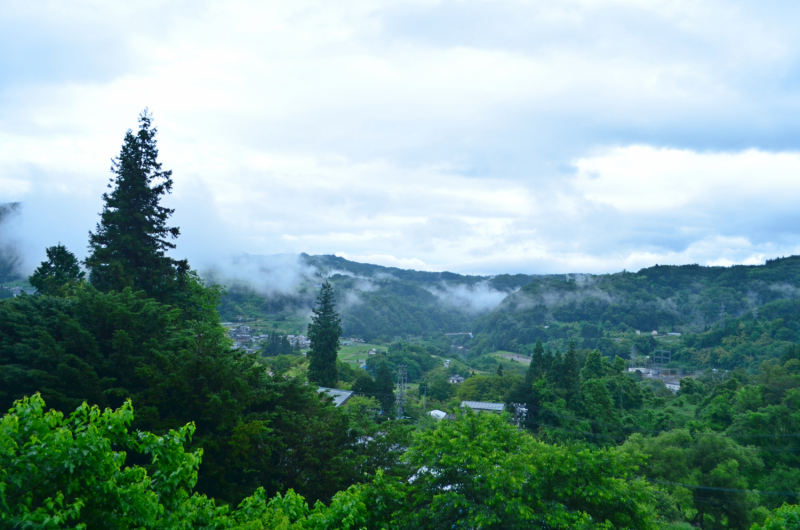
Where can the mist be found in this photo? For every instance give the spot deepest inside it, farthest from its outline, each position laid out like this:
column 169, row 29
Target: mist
column 477, row 298
column 10, row 255
column 280, row 274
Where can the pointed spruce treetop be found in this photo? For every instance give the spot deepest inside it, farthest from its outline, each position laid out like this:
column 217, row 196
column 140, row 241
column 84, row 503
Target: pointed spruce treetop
column 324, row 332
column 128, row 247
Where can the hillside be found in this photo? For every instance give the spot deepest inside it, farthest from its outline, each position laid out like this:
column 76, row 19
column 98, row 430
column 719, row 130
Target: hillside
column 687, row 297
column 375, row 301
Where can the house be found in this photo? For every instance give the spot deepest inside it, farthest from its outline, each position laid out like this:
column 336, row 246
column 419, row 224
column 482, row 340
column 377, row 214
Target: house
column 673, row 334
column 654, row 333
column 456, row 379
column 483, row 406
column 438, row 414
column 673, row 385
column 340, row 397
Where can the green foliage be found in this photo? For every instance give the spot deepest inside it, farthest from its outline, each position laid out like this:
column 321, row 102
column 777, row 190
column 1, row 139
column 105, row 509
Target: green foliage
column 129, row 244
column 71, row 472
column 706, row 474
column 277, row 344
column 58, row 273
column 106, row 347
column 324, row 332
column 480, row 472
column 787, row 517
column 416, row 359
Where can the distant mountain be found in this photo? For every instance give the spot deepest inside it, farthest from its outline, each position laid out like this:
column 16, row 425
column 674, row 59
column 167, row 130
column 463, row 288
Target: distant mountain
column 374, row 301
column 331, row 264
column 665, row 298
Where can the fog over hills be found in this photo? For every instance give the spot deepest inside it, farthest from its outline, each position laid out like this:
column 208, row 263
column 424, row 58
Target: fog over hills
column 388, row 301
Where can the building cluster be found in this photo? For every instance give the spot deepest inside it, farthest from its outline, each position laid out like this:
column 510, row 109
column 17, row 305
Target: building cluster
column 243, row 339
column 299, row 341
column 670, row 376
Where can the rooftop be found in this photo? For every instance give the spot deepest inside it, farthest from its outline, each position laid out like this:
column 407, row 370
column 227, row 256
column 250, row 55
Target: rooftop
column 484, row 405
column 340, row 397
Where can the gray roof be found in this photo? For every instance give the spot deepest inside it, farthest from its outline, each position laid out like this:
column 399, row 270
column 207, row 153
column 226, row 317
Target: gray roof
column 340, row 397
column 483, row 405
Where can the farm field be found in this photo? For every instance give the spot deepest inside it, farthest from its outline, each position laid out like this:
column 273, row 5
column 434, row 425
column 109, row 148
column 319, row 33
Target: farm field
column 352, row 352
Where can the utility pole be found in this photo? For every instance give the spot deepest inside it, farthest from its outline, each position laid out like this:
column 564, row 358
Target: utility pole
column 401, row 389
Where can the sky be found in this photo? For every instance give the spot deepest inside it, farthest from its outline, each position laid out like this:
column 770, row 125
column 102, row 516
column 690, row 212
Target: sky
column 473, row 136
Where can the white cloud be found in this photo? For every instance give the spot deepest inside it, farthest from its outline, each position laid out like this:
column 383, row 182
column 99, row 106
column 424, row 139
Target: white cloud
column 642, row 178
column 429, row 135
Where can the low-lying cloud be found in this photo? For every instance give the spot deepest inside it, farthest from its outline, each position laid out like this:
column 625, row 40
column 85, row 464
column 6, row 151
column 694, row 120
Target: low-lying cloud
column 476, row 298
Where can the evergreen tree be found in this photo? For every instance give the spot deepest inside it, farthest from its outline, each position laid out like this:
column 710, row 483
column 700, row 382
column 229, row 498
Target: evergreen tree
column 547, row 360
column 129, row 244
column 536, row 368
column 324, row 332
column 384, row 386
column 555, row 371
column 593, row 367
column 56, row 273
column 569, row 374
column 286, row 346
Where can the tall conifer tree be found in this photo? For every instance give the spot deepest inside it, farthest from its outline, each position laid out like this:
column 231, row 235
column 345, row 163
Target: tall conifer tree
column 324, row 332
column 536, row 368
column 129, row 244
column 385, row 387
column 569, row 379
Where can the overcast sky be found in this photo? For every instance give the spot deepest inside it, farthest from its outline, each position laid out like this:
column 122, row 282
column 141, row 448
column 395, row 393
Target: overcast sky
column 472, row 136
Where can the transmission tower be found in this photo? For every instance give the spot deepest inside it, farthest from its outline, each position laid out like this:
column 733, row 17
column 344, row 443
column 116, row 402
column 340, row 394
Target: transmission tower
column 402, row 383
column 722, row 314
column 661, row 357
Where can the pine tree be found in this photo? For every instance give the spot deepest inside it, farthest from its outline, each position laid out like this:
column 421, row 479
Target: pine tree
column 324, row 332
column 55, row 274
column 129, row 244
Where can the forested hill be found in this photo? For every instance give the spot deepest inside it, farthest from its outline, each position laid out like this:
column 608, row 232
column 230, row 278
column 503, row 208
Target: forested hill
column 664, row 298
column 375, row 301
column 331, row 264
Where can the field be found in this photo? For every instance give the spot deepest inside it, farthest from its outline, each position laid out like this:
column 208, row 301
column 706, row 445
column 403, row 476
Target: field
column 352, row 352
column 288, row 326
